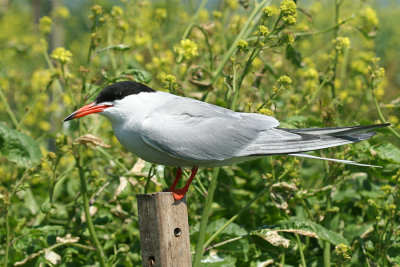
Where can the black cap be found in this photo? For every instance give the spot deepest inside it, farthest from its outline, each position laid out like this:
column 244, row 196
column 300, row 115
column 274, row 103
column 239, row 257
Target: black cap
column 120, row 90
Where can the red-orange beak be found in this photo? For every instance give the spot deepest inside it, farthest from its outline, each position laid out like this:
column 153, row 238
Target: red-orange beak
column 86, row 110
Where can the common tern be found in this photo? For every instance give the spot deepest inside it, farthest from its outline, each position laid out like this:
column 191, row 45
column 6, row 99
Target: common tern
column 177, row 131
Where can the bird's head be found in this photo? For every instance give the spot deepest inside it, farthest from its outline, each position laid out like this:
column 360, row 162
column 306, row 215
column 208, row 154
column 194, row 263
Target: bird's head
column 108, row 100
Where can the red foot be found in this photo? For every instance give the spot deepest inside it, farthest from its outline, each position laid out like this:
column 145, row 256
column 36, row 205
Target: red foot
column 178, row 194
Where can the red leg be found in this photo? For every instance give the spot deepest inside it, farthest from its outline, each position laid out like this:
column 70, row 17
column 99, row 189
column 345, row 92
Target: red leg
column 192, row 175
column 178, row 194
column 177, row 178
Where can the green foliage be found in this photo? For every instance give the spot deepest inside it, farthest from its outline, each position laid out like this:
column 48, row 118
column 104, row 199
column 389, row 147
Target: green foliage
column 303, row 227
column 68, row 199
column 18, row 147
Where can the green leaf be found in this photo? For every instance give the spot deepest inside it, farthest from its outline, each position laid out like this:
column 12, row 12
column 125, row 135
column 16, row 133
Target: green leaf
column 293, row 121
column 388, row 152
column 394, row 254
column 304, row 227
column 233, row 230
column 18, row 147
column 141, row 76
column 293, row 55
column 218, row 261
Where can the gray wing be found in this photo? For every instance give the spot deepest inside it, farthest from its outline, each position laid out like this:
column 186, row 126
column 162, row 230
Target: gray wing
column 199, row 132
column 196, row 131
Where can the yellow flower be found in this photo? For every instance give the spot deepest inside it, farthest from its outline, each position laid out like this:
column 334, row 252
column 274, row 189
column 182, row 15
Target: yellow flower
column 288, row 11
column 257, row 63
column 169, row 78
column 45, row 25
column 123, row 25
column 97, row 10
column 380, row 73
column 343, row 95
column 393, row 119
column 310, row 74
column 61, row 55
column 142, row 38
column 203, row 15
column 169, row 82
column 285, row 80
column 343, row 250
column 263, row 30
column 286, row 38
column 242, row 45
column 369, row 19
column 67, row 100
column 139, row 58
column 217, row 14
column 160, row 13
column 359, row 66
column 44, row 125
column 62, row 12
column 387, row 189
column 391, row 208
column 187, row 49
column 266, row 111
column 4, row 84
column 269, row 11
column 40, row 78
column 302, row 27
column 341, row 43
column 117, row 11
column 232, row 4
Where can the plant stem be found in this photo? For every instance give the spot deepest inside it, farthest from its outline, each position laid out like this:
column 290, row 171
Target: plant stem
column 203, row 224
column 51, row 67
column 327, row 245
column 32, row 105
column 113, row 159
column 302, row 34
column 241, row 35
column 195, row 16
column 381, row 117
column 326, row 79
column 327, row 254
column 335, row 35
column 234, row 217
column 6, row 206
column 303, row 260
column 7, row 237
column 93, row 235
column 8, row 108
column 222, row 228
column 201, row 186
column 187, row 33
column 226, row 242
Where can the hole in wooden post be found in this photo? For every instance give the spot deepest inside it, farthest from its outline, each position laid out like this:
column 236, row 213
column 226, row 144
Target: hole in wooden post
column 152, row 260
column 177, row 232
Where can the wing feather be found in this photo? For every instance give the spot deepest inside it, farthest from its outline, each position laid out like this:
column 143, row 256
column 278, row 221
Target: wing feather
column 196, row 131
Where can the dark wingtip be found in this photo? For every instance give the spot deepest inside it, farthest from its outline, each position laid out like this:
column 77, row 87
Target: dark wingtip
column 381, row 125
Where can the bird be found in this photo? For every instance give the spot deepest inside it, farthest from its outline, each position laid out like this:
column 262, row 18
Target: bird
column 178, row 131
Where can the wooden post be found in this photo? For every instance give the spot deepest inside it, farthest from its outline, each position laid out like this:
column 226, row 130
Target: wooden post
column 164, row 231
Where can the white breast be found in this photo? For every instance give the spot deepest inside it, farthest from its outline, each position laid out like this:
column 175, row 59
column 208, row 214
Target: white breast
column 126, row 117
